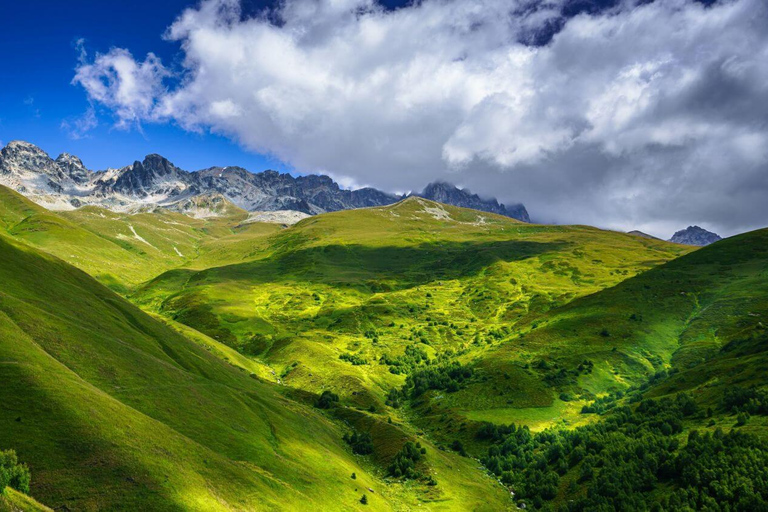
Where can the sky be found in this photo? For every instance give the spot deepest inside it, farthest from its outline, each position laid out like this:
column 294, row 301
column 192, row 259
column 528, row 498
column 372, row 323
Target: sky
column 624, row 114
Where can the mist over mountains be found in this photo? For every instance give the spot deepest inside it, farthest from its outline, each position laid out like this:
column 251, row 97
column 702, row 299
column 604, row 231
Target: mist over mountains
column 65, row 183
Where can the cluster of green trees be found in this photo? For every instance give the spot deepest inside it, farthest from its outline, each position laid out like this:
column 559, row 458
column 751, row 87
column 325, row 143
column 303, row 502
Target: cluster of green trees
column 361, row 443
column 404, row 463
column 12, row 473
column 632, row 460
column 355, row 359
column 603, row 404
column 557, row 376
column 447, row 377
column 413, row 357
column 327, row 400
column 749, row 401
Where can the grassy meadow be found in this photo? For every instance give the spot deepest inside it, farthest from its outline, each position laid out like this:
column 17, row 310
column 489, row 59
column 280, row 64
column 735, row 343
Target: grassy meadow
column 159, row 361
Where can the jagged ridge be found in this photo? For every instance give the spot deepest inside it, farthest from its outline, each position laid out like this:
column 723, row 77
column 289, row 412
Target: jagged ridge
column 65, row 183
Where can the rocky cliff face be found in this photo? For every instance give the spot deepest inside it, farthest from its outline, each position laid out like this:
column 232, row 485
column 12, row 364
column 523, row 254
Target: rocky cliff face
column 65, row 183
column 694, row 235
column 446, row 193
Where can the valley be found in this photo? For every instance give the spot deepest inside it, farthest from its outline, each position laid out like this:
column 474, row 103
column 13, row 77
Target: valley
column 218, row 362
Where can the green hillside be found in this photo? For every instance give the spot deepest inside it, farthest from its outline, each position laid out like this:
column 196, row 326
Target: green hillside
column 99, row 396
column 258, row 367
column 123, row 250
column 336, row 300
column 697, row 315
column 677, row 349
column 14, row 501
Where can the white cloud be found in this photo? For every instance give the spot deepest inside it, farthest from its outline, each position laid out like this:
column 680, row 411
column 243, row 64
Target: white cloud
column 115, row 79
column 78, row 127
column 648, row 115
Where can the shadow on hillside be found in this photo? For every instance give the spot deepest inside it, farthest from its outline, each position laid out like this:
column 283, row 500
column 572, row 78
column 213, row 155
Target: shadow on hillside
column 377, row 269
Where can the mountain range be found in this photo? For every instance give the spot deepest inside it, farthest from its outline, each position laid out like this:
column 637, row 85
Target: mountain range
column 65, row 183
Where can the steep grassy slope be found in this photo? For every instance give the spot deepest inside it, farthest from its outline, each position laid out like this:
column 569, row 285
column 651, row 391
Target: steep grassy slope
column 14, row 501
column 670, row 366
column 113, row 410
column 335, row 300
column 124, row 250
column 702, row 315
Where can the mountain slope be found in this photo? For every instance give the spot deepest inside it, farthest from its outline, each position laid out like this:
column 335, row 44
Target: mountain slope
column 663, row 374
column 701, row 315
column 338, row 299
column 121, row 250
column 113, row 410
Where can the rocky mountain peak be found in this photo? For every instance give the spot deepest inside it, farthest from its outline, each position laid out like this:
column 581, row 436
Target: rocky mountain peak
column 444, row 192
column 73, row 166
column 694, row 235
column 155, row 181
column 158, row 164
column 20, row 158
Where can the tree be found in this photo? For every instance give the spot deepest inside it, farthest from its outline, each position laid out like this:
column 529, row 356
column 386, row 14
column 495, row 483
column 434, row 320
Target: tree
column 327, row 400
column 742, row 418
column 362, row 443
column 458, row 447
column 364, row 500
column 12, row 473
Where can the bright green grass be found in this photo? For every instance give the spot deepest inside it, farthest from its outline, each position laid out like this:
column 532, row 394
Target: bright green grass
column 704, row 315
column 369, row 282
column 211, row 395
column 113, row 410
column 12, row 500
column 124, row 250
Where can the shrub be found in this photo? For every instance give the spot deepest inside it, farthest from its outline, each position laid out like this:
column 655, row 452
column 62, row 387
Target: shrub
column 12, row 473
column 742, row 418
column 404, row 464
column 355, row 359
column 327, row 400
column 458, row 447
column 362, row 443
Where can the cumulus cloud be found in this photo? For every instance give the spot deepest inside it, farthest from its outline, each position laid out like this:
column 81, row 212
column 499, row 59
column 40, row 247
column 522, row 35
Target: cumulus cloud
column 645, row 115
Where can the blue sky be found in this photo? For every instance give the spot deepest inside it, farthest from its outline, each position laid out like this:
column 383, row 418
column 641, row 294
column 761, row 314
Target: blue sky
column 39, row 56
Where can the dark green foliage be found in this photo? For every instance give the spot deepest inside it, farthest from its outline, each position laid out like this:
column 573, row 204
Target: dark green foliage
column 12, row 473
column 355, row 359
column 742, row 418
column 752, row 401
column 448, row 377
column 494, row 433
column 394, row 398
column 364, row 500
column 354, row 476
column 362, row 443
column 404, row 464
column 585, row 366
column 633, row 460
column 413, row 357
column 602, row 404
column 457, row 446
column 327, row 400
